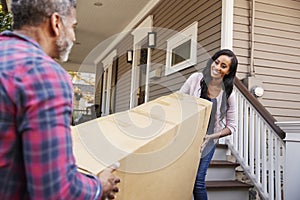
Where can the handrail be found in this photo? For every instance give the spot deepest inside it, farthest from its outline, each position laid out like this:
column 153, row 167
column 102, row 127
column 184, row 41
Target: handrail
column 258, row 145
column 260, row 108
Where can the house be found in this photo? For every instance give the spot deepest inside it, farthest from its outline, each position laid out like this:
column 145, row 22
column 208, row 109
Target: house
column 175, row 38
column 269, row 44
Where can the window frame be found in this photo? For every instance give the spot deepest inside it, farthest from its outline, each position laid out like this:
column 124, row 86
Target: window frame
column 189, row 33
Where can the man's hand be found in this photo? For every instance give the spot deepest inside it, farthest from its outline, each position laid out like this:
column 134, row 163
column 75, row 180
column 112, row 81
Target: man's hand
column 109, row 183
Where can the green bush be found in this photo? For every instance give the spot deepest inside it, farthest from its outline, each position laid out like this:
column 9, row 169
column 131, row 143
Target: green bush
column 5, row 20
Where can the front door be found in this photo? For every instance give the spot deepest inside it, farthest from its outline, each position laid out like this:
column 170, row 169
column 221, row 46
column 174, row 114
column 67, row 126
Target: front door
column 106, row 90
column 140, row 70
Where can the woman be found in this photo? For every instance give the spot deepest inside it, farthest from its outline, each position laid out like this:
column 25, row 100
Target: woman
column 215, row 84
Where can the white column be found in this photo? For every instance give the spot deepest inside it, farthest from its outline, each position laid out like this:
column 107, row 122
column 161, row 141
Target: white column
column 227, row 24
column 227, row 33
column 292, row 159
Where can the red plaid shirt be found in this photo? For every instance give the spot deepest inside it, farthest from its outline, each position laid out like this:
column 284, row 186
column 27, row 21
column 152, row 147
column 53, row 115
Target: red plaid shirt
column 36, row 158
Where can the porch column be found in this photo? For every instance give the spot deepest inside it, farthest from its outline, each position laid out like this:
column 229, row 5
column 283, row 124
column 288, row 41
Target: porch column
column 227, row 24
column 292, row 159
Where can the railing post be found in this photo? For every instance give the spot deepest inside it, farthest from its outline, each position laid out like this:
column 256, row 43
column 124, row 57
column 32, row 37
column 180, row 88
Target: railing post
column 292, row 159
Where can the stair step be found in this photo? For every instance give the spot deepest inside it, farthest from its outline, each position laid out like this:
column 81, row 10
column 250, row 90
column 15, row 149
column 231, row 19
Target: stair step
column 220, row 153
column 226, row 184
column 221, row 180
column 228, row 190
column 222, row 163
column 221, row 170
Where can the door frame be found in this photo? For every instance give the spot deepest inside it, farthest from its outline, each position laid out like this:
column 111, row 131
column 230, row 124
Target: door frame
column 139, row 35
column 107, row 68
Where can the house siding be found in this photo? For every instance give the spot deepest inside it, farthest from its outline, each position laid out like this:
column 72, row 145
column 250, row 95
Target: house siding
column 276, row 52
column 241, row 36
column 173, row 16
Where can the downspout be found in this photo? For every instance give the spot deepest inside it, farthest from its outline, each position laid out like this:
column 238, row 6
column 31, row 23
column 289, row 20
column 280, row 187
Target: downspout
column 252, row 68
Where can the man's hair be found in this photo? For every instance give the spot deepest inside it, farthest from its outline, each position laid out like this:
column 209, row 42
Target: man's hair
column 35, row 12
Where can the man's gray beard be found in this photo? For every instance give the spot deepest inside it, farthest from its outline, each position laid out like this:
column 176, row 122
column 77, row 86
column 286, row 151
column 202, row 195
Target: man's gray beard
column 64, row 48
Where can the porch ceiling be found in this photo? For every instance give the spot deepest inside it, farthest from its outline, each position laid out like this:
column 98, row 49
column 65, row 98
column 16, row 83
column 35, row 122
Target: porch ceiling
column 97, row 24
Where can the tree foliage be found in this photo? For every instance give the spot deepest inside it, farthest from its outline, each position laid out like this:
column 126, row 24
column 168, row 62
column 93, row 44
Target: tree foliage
column 5, row 20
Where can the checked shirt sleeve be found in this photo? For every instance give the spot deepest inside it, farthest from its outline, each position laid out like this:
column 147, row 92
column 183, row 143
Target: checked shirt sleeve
column 45, row 127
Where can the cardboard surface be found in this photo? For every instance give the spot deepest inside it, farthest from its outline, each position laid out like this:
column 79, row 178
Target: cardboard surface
column 157, row 144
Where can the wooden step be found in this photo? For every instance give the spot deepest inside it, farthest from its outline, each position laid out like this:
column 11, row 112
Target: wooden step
column 222, row 163
column 223, row 146
column 226, row 185
column 228, row 190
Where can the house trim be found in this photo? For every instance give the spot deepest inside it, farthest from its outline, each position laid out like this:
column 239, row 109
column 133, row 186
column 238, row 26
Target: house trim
column 189, row 33
column 107, row 69
column 142, row 30
column 109, row 59
column 291, row 180
column 140, row 33
column 227, row 24
column 292, row 128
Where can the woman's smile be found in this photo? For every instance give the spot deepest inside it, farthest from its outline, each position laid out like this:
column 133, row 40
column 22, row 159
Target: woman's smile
column 220, row 67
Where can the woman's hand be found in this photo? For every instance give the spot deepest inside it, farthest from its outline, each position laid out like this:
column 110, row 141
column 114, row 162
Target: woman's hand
column 206, row 139
column 224, row 132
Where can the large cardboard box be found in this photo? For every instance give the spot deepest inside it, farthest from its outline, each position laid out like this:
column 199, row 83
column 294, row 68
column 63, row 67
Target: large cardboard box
column 157, row 145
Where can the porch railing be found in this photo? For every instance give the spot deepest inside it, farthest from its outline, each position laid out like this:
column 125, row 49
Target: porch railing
column 258, row 145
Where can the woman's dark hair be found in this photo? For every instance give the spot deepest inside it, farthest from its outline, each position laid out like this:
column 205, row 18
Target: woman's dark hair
column 228, row 79
column 35, row 12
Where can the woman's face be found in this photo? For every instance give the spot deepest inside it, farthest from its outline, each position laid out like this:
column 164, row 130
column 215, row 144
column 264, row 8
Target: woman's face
column 220, row 67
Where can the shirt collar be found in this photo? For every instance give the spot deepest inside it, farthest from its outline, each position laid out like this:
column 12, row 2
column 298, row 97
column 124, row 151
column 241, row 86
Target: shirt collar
column 22, row 37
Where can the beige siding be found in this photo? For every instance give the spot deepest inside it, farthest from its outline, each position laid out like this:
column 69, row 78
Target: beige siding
column 276, row 52
column 241, row 36
column 174, row 16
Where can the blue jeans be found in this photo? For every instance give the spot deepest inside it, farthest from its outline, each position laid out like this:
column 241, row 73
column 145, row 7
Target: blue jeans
column 200, row 187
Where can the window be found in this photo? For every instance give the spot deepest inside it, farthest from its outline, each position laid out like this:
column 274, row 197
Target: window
column 181, row 53
column 182, row 49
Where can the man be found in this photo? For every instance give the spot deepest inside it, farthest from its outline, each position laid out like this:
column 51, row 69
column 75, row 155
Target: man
column 36, row 158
